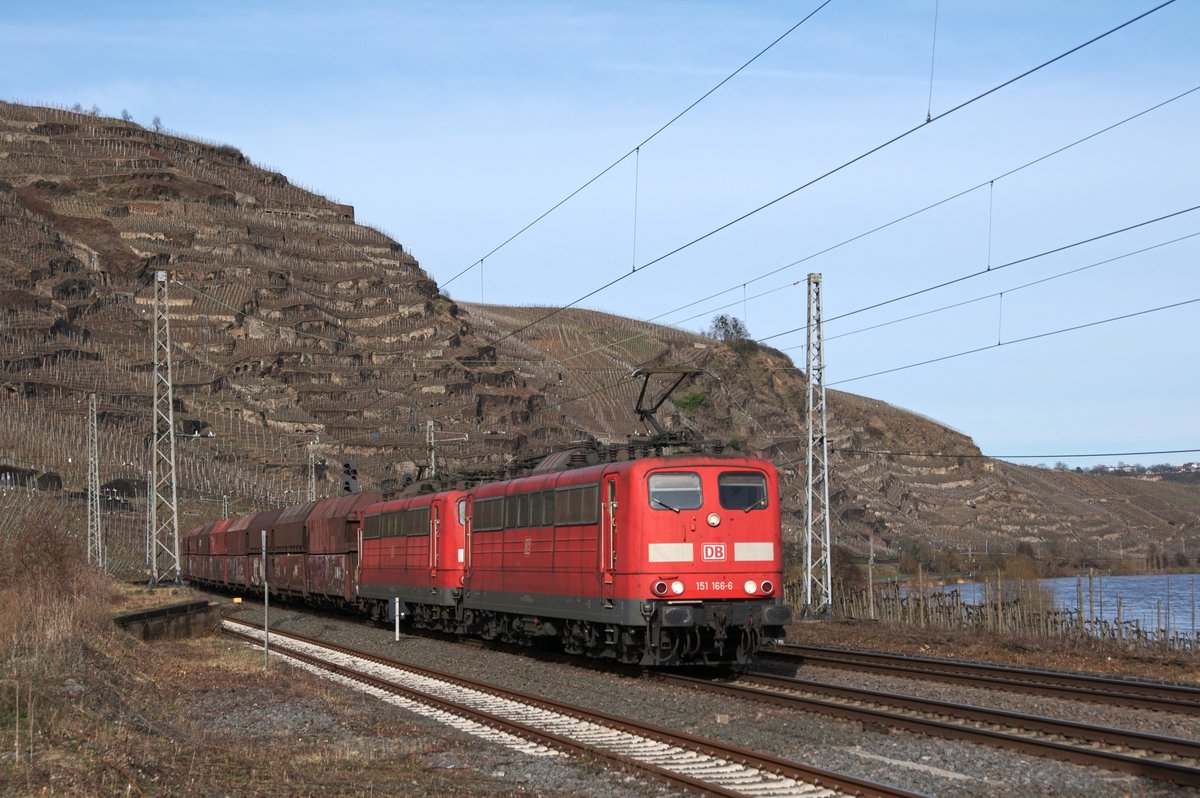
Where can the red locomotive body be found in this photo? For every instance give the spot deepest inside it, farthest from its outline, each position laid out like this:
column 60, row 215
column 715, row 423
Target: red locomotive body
column 413, row 549
column 659, row 561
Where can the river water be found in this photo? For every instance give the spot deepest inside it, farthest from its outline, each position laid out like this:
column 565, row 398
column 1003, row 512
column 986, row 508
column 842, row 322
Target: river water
column 1144, row 599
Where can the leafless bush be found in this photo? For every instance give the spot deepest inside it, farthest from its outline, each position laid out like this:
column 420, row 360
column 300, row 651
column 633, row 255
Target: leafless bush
column 49, row 599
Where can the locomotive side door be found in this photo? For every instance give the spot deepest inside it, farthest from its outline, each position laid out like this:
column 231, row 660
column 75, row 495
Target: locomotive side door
column 466, row 511
column 608, row 540
column 435, row 534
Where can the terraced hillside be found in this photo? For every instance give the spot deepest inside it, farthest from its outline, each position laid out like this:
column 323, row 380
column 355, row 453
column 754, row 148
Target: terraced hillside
column 294, row 328
column 297, row 331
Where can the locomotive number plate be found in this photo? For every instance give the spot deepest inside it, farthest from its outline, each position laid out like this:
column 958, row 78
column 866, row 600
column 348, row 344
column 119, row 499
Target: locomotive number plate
column 718, row 585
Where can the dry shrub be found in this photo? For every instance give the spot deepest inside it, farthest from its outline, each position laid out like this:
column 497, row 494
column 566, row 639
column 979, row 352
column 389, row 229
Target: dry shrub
column 50, row 599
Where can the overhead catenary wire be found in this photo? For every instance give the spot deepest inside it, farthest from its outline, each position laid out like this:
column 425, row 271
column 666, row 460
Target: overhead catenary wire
column 984, row 456
column 1018, row 341
column 991, row 270
column 995, row 294
column 879, row 228
column 877, row 148
column 635, row 150
column 979, row 455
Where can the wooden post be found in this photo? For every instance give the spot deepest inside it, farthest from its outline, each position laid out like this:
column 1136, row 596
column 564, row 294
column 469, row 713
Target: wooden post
column 871, row 583
column 1168, row 605
column 921, row 593
column 1079, row 600
column 1091, row 601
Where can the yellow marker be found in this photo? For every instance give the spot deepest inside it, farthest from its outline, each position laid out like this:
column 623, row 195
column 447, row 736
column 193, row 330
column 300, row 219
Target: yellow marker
column 237, row 600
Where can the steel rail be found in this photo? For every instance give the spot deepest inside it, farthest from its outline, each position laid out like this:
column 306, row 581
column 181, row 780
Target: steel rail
column 846, row 784
column 1158, row 696
column 791, row 692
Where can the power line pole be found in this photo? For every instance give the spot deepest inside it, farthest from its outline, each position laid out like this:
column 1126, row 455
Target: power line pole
column 818, row 588
column 95, row 546
column 149, row 514
column 164, row 551
column 432, row 440
column 312, row 476
column 429, row 439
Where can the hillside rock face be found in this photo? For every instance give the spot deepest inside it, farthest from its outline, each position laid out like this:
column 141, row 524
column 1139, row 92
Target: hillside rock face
column 296, row 331
column 293, row 328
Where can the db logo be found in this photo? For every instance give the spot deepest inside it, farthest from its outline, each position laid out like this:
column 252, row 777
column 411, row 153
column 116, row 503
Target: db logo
column 712, row 551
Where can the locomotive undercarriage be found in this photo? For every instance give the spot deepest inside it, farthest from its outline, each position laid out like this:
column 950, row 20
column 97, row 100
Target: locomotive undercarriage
column 713, row 641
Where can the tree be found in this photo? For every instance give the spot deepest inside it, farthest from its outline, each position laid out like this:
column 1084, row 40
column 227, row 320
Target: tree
column 948, row 563
column 95, row 110
column 847, row 575
column 125, row 115
column 731, row 331
column 157, row 124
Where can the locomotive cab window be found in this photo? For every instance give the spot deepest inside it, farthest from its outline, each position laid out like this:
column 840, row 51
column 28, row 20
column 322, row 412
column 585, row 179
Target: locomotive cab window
column 679, row 491
column 742, row 490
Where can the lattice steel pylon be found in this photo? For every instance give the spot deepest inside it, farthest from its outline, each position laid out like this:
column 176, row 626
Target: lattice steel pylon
column 95, row 543
column 818, row 588
column 164, row 518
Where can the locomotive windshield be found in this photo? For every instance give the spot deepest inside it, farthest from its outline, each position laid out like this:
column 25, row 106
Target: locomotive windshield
column 678, row 491
column 742, row 490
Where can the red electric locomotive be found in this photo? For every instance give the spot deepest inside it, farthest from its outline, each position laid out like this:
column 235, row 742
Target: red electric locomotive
column 413, row 549
column 658, row 561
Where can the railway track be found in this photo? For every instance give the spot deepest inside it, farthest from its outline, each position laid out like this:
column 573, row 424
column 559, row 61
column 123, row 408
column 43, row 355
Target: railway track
column 1158, row 696
column 1164, row 758
column 697, row 764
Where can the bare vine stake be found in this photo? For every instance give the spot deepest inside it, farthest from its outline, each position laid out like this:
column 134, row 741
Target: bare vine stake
column 1079, row 600
column 1091, row 601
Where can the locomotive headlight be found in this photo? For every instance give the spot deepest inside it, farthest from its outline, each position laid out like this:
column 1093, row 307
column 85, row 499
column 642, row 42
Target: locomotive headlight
column 767, row 587
column 714, row 519
column 677, row 587
column 751, row 586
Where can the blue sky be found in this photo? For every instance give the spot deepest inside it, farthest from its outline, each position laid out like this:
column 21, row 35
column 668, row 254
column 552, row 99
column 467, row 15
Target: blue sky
column 452, row 125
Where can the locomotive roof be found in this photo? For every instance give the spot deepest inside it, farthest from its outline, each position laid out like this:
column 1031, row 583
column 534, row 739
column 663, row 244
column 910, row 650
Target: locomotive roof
column 633, row 468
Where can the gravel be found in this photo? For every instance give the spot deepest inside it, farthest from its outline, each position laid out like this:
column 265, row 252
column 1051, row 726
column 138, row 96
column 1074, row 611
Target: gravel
column 913, row 762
